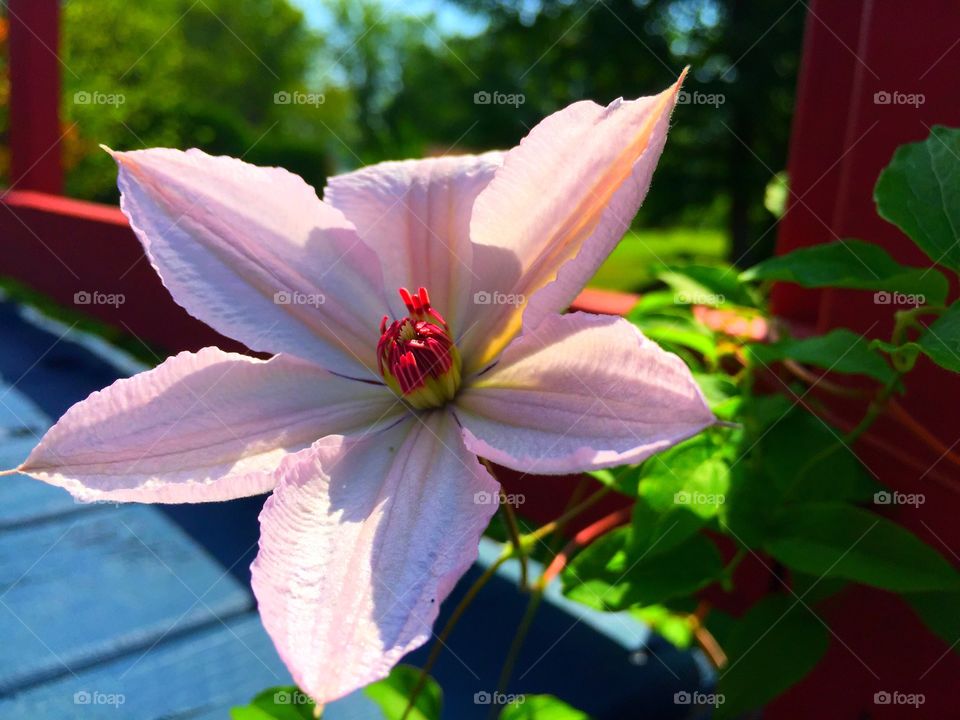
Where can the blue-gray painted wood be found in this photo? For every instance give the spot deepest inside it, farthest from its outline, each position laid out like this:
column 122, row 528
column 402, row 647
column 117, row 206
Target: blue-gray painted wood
column 99, row 584
column 23, row 500
column 200, row 675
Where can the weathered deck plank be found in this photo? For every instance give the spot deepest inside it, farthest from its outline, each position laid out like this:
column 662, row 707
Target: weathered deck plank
column 87, row 587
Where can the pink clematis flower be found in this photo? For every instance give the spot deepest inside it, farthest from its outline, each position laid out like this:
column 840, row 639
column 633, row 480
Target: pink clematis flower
column 367, row 421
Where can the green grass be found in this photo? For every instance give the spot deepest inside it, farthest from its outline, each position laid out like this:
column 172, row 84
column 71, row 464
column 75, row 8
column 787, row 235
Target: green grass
column 635, row 261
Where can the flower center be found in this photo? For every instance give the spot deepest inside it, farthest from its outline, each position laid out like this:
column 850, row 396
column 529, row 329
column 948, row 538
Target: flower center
column 417, row 356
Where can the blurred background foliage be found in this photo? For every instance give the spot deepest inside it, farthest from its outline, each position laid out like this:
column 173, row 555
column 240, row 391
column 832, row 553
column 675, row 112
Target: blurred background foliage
column 325, row 86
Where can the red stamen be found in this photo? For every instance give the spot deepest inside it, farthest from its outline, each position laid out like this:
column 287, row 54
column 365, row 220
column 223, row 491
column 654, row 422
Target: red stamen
column 417, row 347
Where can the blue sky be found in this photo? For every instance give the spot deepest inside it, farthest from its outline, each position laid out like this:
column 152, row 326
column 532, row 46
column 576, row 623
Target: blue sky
column 451, row 19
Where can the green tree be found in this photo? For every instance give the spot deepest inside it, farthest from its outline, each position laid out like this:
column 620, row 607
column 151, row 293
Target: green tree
column 181, row 74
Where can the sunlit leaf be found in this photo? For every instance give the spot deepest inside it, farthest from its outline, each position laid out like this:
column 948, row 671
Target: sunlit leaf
column 608, row 576
column 712, row 285
column 541, row 707
column 393, row 693
column 277, row 703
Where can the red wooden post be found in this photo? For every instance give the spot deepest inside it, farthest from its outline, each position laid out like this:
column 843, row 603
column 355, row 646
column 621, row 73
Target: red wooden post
column 846, row 128
column 35, row 160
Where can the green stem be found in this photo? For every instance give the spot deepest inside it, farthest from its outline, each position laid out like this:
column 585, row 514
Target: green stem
column 906, row 319
column 551, row 526
column 513, row 528
column 510, row 662
column 516, row 546
column 451, row 624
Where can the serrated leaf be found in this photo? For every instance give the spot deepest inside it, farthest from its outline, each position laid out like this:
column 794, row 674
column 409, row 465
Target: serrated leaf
column 771, row 648
column 541, row 707
column 277, row 703
column 851, row 264
column 835, row 540
column 393, row 693
column 919, row 192
column 840, row 350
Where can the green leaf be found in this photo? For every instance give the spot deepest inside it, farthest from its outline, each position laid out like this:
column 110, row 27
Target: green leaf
column 676, row 492
column 941, row 341
column 608, row 576
column 673, row 626
column 277, row 703
column 840, row 350
column 690, row 477
column 851, row 264
column 938, row 610
column 919, row 192
column 653, row 302
column 393, row 692
column 717, row 388
column 816, row 589
column 712, row 285
column 623, row 479
column 842, row 541
column 775, row 195
column 771, row 648
column 657, row 531
column 541, row 707
column 682, row 331
column 790, row 457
